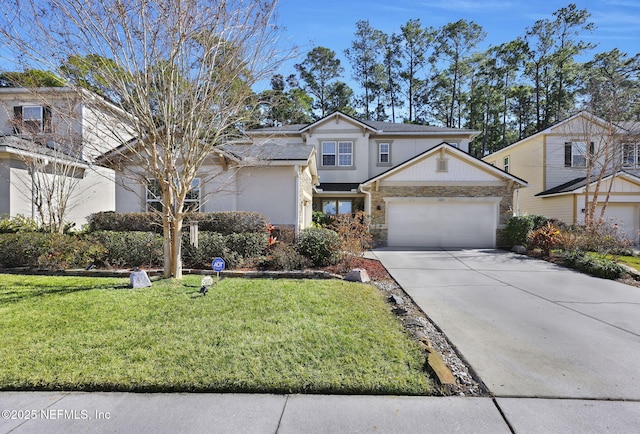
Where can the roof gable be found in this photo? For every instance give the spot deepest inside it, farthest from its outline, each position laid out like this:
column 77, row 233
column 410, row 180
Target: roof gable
column 461, row 167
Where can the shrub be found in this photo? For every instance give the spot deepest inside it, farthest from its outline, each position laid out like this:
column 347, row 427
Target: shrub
column 320, row 219
column 321, row 246
column 596, row 266
column 22, row 249
column 229, row 222
column 247, row 245
column 210, row 245
column 66, row 251
column 517, row 230
column 125, row 222
column 36, row 249
column 222, row 222
column 545, row 238
column 282, row 256
column 20, row 223
column 130, row 249
column 354, row 236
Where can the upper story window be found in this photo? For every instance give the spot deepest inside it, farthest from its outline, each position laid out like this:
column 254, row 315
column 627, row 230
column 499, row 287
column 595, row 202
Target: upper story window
column 575, row 154
column 337, row 153
column 506, row 163
column 384, row 153
column 630, row 155
column 30, row 119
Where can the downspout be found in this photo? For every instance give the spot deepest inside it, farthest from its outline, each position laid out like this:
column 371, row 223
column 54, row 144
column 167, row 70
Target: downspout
column 297, row 208
column 367, row 202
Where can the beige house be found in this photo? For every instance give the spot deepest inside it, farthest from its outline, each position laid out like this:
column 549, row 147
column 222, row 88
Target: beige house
column 48, row 137
column 554, row 162
column 418, row 182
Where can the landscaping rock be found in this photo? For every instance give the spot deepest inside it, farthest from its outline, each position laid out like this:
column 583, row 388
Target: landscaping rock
column 139, row 279
column 522, row 250
column 396, row 300
column 357, row 275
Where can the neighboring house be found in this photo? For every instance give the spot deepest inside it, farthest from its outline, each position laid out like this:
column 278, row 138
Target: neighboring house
column 554, row 162
column 274, row 179
column 55, row 143
column 419, row 183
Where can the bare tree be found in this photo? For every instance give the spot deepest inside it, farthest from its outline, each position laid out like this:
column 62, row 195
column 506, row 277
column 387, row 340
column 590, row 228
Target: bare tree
column 51, row 156
column 179, row 75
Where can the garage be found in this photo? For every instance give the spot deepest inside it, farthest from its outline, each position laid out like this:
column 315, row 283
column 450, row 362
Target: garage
column 444, row 222
column 625, row 216
column 442, row 198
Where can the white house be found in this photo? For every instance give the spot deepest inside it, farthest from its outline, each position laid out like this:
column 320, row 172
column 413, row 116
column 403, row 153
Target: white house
column 47, row 135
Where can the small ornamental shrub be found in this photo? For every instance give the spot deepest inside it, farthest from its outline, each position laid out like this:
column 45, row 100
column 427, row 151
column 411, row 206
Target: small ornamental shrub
column 282, row 256
column 247, row 244
column 65, row 251
column 517, row 230
column 354, row 235
column 596, row 266
column 130, row 249
column 321, row 246
column 222, row 222
column 545, row 238
column 20, row 223
column 210, row 245
column 22, row 249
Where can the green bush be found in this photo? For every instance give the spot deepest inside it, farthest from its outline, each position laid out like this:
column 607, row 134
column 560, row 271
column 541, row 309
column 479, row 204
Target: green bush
column 596, row 266
column 20, row 223
column 125, row 222
column 22, row 249
column 223, row 222
column 282, row 256
column 67, row 251
column 517, row 230
column 36, row 249
column 321, row 246
column 248, row 244
column 130, row 249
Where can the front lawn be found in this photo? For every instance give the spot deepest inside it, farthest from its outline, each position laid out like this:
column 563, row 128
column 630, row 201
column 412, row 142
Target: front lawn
column 70, row 333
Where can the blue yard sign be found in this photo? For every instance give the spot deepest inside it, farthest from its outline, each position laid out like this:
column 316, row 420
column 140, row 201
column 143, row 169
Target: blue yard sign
column 218, row 264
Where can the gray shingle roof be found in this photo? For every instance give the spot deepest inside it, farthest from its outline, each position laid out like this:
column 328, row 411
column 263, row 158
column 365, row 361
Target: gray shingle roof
column 45, row 150
column 270, row 151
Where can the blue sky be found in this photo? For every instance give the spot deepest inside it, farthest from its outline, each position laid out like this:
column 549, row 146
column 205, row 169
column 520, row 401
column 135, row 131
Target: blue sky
column 331, row 23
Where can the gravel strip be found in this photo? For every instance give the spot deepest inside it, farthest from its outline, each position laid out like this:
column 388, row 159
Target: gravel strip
column 418, row 325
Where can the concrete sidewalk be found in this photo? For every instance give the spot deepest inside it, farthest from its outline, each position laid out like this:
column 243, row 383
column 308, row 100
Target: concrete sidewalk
column 77, row 412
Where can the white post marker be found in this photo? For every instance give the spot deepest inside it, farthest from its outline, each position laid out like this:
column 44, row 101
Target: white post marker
column 218, row 265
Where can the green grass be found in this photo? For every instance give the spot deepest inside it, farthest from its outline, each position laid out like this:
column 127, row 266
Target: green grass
column 631, row 261
column 70, row 333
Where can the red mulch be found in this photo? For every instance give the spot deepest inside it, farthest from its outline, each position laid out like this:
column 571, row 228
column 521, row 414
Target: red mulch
column 374, row 268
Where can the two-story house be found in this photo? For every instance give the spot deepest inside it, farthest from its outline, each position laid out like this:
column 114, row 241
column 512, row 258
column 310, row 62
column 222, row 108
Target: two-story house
column 418, row 183
column 555, row 164
column 49, row 140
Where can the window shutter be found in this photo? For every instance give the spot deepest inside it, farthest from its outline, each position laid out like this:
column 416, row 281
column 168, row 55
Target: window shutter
column 592, row 150
column 567, row 154
column 46, row 119
column 17, row 118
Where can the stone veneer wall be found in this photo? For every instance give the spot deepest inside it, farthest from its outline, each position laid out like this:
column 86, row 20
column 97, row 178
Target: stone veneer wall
column 378, row 215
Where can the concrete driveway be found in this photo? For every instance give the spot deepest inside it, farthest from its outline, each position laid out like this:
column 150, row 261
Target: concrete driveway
column 528, row 328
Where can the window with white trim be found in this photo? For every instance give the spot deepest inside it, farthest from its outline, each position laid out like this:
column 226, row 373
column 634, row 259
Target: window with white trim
column 154, row 196
column 576, row 154
column 337, row 153
column 506, row 163
column 32, row 119
column 384, row 153
column 191, row 202
column 630, row 155
column 337, row 206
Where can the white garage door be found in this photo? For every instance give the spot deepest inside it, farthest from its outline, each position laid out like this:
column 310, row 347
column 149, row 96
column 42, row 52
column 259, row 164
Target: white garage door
column 442, row 222
column 624, row 215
